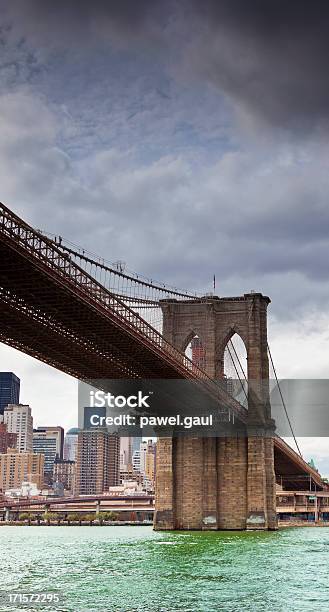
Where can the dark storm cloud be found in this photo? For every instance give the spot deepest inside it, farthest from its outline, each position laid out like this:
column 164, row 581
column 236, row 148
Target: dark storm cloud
column 270, row 56
column 81, row 21
column 269, row 200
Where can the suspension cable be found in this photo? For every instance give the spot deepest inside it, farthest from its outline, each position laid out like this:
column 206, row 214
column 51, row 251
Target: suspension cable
column 283, row 402
column 240, row 364
column 236, row 370
column 161, row 287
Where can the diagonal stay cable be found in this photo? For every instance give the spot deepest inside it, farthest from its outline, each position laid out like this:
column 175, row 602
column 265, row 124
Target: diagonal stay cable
column 283, row 402
column 236, row 370
column 239, row 362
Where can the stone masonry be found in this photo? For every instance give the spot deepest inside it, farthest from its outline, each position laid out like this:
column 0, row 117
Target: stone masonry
column 220, row 483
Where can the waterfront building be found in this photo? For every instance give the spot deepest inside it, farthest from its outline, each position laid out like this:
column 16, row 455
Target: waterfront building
column 126, row 488
column 27, row 489
column 18, row 467
column 131, row 475
column 98, row 462
column 9, row 390
column 18, row 419
column 7, row 439
column 64, row 473
column 71, row 444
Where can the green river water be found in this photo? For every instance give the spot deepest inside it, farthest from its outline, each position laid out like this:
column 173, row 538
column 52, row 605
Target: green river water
column 123, row 569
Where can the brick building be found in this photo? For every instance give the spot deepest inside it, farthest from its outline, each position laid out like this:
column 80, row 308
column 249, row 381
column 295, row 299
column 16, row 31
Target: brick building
column 64, row 472
column 16, row 468
column 98, row 462
column 7, row 439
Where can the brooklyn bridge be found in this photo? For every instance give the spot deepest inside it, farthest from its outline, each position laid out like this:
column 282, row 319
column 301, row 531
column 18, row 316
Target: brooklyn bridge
column 94, row 320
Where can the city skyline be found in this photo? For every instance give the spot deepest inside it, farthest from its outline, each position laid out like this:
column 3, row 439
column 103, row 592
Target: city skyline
column 42, row 461
column 174, row 164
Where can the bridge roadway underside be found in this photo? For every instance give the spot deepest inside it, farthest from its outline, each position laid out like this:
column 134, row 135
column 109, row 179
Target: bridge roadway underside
column 50, row 319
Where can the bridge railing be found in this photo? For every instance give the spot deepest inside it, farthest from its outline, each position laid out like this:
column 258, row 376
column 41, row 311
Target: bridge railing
column 45, row 252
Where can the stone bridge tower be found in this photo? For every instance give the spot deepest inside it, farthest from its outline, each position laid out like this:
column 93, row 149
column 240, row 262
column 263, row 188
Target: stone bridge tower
column 220, row 483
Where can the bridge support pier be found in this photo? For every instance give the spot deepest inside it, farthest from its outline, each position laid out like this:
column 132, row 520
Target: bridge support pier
column 215, row 483
column 164, row 516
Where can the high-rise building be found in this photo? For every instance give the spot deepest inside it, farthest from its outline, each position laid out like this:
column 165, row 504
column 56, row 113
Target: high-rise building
column 137, row 461
column 57, row 433
column 7, row 439
column 19, row 420
column 147, row 463
column 136, row 440
column 49, row 442
column 125, row 453
column 16, row 468
column 150, row 461
column 9, row 390
column 198, row 352
column 142, row 456
column 64, row 472
column 98, row 462
column 128, row 445
column 71, row 444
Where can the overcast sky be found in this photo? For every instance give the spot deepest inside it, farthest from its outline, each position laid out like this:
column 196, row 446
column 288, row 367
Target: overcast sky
column 185, row 138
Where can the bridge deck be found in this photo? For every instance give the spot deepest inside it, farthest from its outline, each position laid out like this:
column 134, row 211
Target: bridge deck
column 53, row 310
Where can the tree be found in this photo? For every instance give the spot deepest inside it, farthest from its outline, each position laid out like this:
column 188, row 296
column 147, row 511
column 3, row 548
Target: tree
column 50, row 516
column 75, row 517
column 110, row 516
column 90, row 518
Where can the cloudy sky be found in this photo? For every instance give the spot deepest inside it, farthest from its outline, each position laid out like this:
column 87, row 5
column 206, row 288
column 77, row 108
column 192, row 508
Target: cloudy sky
column 186, row 138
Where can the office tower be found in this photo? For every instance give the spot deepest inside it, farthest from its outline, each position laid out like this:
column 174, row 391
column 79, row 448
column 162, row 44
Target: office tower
column 19, row 420
column 71, row 444
column 16, row 468
column 136, row 440
column 128, row 445
column 64, row 472
column 98, row 462
column 147, row 463
column 7, row 440
column 57, row 433
column 125, row 453
column 137, row 461
column 9, row 390
column 142, row 456
column 150, row 461
column 49, row 442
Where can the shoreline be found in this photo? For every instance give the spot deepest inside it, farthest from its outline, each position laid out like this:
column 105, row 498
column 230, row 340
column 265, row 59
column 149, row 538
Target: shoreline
column 76, row 524
column 281, row 525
